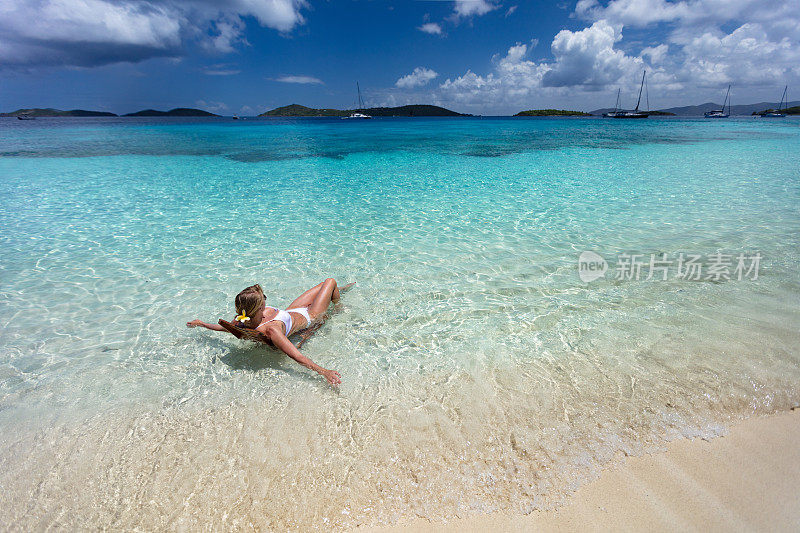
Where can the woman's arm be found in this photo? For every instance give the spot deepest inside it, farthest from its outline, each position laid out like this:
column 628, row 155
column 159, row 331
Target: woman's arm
column 285, row 345
column 198, row 322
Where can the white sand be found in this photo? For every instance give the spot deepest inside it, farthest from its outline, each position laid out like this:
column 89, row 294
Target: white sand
column 746, row 480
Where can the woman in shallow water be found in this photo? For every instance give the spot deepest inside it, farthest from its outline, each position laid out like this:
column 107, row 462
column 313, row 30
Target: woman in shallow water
column 277, row 325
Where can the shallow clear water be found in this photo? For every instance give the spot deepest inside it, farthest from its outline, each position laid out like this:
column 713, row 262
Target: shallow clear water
column 480, row 372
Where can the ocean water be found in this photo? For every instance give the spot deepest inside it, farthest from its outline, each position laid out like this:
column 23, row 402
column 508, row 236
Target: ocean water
column 479, row 371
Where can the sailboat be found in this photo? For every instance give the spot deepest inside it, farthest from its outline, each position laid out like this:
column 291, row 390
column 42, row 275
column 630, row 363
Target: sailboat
column 613, row 114
column 778, row 113
column 720, row 113
column 635, row 113
column 360, row 106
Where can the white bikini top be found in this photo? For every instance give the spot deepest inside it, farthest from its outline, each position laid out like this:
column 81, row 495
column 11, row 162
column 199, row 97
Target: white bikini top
column 284, row 317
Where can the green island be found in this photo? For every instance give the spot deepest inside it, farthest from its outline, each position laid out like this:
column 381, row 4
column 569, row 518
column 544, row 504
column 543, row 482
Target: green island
column 297, row 110
column 789, row 111
column 49, row 112
column 177, row 112
column 552, row 113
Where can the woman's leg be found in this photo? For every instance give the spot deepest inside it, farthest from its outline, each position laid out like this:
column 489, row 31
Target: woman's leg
column 327, row 293
column 308, row 297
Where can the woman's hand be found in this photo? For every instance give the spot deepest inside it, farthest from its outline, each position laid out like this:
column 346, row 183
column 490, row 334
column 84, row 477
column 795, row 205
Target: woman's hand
column 332, row 376
column 194, row 323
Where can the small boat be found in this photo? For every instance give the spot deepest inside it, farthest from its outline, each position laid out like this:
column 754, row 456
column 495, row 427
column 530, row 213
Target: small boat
column 235, row 117
column 355, row 114
column 635, row 113
column 782, row 105
column 25, row 116
column 720, row 113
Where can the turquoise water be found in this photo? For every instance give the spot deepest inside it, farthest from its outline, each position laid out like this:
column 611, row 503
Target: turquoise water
column 479, row 371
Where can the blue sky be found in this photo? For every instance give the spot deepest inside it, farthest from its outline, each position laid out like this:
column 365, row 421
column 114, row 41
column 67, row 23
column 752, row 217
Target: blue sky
column 477, row 56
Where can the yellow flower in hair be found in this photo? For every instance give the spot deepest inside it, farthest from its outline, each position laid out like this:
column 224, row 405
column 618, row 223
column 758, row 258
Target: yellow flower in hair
column 243, row 317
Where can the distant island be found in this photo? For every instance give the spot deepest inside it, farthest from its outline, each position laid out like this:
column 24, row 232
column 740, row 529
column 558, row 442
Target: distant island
column 552, row 113
column 789, row 111
column 177, row 112
column 49, row 112
column 297, row 110
column 698, row 110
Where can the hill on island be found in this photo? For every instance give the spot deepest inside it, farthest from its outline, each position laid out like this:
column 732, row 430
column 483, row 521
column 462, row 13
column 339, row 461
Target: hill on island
column 794, row 110
column 297, row 110
column 50, row 112
column 177, row 112
column 552, row 113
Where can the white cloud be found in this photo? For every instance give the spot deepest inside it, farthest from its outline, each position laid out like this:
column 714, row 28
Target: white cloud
column 212, row 107
column 431, row 27
column 97, row 32
column 300, row 80
column 419, row 77
column 514, row 78
column 468, row 8
column 713, row 42
column 583, row 59
column 588, row 57
column 633, row 12
column 511, row 11
column 221, row 72
column 642, row 13
column 228, row 33
column 695, row 47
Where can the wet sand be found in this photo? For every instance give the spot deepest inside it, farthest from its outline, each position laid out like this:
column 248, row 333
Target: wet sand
column 747, row 480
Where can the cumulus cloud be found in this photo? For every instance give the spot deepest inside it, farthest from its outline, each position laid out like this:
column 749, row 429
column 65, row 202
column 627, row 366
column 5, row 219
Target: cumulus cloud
column 712, row 42
column 585, row 58
column 97, row 32
column 431, row 27
column 514, row 78
column 419, row 77
column 300, row 80
column 588, row 57
column 700, row 44
column 468, row 8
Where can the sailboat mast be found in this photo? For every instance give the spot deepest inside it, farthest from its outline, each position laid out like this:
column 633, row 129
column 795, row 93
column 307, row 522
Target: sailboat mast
column 783, row 98
column 616, row 106
column 726, row 101
column 360, row 101
column 640, row 92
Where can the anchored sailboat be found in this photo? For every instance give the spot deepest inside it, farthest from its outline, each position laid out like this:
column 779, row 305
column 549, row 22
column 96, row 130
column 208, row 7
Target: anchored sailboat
column 782, row 105
column 635, row 113
column 360, row 106
column 720, row 113
column 612, row 114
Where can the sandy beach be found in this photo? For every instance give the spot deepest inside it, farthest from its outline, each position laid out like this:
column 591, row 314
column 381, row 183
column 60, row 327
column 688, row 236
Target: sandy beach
column 747, row 480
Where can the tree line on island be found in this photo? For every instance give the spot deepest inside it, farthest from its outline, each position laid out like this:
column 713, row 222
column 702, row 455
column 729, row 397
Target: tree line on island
column 296, row 110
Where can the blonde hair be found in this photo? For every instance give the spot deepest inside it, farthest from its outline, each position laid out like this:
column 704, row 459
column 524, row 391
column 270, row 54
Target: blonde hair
column 249, row 302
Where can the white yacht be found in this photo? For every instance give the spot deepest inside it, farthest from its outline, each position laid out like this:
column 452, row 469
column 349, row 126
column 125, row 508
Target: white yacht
column 720, row 113
column 355, row 114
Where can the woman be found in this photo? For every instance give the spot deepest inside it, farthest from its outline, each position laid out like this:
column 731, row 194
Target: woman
column 277, row 325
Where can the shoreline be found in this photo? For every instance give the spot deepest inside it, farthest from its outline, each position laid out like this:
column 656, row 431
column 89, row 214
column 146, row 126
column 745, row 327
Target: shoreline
column 746, row 479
